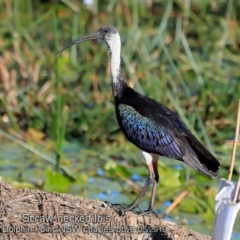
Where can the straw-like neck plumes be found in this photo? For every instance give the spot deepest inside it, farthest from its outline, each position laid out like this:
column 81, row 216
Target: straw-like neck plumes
column 114, row 44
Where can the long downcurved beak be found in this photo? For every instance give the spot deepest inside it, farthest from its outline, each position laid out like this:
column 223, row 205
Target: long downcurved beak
column 91, row 36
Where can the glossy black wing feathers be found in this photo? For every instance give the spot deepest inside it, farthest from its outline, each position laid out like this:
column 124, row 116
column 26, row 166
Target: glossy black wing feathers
column 147, row 135
column 155, row 128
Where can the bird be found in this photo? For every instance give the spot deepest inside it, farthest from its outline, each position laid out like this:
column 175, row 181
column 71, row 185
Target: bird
column 152, row 127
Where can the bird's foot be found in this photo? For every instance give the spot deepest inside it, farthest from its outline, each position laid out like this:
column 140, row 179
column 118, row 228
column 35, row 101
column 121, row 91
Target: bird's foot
column 122, row 209
column 116, row 206
column 150, row 211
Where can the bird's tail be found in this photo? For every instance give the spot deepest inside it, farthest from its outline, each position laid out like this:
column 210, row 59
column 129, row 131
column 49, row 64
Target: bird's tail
column 199, row 158
column 201, row 167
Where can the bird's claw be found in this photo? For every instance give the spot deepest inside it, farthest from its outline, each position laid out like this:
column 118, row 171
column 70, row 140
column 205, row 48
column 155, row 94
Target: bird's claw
column 118, row 208
column 150, row 211
column 122, row 209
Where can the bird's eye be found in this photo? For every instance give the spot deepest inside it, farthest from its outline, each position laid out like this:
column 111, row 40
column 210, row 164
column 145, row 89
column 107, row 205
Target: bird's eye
column 106, row 30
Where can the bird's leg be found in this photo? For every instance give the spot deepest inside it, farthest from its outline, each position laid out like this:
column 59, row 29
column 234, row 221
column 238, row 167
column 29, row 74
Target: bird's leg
column 151, row 160
column 151, row 179
column 154, row 168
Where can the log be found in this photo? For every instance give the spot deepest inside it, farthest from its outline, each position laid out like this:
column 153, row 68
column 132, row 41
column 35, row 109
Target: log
column 33, row 214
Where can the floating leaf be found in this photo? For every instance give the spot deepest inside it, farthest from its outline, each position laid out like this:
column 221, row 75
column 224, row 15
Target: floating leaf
column 56, row 181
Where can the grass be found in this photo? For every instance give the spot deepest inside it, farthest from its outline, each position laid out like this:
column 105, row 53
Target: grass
column 60, row 124
column 185, row 55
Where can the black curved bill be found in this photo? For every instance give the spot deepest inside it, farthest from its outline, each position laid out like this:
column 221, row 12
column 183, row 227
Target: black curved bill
column 91, row 36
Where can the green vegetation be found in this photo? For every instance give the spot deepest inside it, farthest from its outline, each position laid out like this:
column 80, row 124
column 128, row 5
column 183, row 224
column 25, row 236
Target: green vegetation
column 185, row 55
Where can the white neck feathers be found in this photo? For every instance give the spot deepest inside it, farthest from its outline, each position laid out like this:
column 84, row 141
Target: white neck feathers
column 114, row 44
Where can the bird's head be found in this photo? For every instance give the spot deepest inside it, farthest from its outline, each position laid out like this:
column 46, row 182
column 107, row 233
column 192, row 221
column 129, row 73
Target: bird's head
column 107, row 33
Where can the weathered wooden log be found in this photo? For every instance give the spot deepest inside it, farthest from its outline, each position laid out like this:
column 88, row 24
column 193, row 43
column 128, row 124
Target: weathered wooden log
column 33, row 214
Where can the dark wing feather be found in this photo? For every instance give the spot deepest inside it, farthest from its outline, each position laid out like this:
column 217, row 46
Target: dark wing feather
column 146, row 134
column 155, row 128
column 203, row 155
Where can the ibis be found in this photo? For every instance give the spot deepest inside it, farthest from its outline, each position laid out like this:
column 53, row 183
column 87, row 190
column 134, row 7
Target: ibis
column 152, row 127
